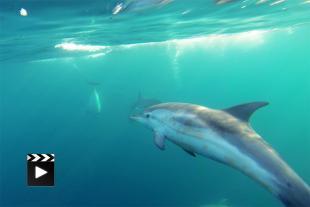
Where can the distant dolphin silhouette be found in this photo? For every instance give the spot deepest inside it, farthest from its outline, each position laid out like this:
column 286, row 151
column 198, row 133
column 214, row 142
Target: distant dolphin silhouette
column 142, row 103
column 94, row 102
column 227, row 137
column 95, row 98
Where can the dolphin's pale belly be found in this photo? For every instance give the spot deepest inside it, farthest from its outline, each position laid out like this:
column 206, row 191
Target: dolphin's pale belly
column 211, row 145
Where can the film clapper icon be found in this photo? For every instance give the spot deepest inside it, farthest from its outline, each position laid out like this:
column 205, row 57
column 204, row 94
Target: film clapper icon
column 40, row 169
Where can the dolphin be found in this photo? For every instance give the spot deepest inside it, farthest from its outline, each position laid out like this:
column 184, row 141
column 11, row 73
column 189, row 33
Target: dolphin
column 95, row 99
column 94, row 102
column 226, row 136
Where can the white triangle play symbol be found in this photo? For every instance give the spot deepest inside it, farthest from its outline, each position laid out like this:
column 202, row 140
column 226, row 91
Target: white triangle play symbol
column 39, row 172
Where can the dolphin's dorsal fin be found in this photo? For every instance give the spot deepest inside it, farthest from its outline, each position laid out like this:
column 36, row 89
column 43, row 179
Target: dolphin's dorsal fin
column 244, row 111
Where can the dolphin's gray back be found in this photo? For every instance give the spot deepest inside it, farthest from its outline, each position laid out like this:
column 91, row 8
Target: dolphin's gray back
column 287, row 186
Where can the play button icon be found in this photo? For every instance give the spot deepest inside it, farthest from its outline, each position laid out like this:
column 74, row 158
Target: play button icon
column 39, row 172
column 40, row 169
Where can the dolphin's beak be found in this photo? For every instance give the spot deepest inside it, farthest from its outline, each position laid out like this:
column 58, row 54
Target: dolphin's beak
column 134, row 118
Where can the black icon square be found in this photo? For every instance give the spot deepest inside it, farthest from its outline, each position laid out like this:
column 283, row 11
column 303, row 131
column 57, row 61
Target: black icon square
column 40, row 169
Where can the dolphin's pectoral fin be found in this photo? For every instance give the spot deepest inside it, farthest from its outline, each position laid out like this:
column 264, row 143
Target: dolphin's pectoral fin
column 244, row 111
column 159, row 140
column 189, row 152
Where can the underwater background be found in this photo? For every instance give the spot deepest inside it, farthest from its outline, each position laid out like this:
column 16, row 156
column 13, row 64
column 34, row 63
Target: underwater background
column 72, row 72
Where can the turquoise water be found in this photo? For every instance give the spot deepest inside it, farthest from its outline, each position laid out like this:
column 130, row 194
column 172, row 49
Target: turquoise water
column 71, row 72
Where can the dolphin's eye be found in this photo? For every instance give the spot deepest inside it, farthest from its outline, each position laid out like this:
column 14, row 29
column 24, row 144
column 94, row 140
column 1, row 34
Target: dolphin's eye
column 147, row 115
